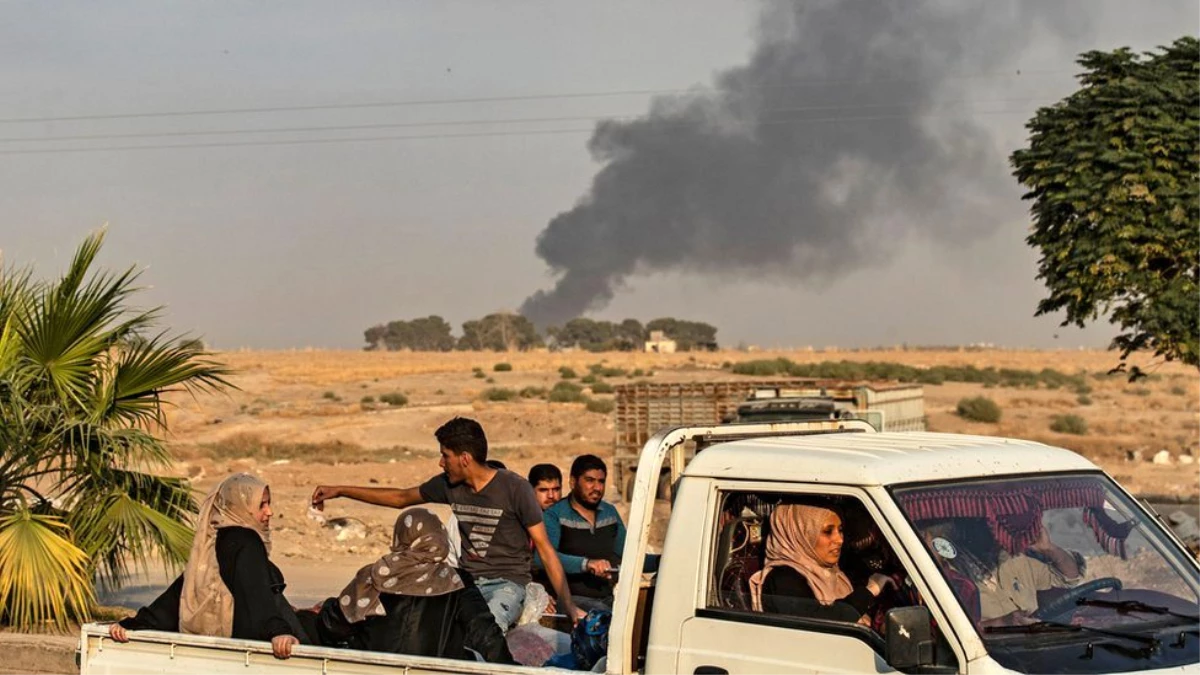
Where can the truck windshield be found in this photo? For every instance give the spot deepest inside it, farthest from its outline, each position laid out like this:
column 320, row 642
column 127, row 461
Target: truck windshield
column 1068, row 558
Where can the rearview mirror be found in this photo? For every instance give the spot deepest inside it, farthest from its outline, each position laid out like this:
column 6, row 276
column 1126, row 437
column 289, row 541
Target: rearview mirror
column 909, row 635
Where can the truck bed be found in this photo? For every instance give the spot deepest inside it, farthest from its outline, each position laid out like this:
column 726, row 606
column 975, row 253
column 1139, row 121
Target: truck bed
column 163, row 653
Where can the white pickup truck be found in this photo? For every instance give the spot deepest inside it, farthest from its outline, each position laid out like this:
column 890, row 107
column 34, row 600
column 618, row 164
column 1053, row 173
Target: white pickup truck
column 927, row 509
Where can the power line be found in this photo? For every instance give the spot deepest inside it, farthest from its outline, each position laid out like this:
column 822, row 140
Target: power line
column 451, row 123
column 532, row 132
column 496, row 99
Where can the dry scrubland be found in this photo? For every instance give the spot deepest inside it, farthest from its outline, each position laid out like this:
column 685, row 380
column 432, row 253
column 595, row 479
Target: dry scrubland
column 299, row 419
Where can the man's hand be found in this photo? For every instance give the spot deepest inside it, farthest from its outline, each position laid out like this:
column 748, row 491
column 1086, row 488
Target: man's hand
column 1019, row 618
column 281, row 645
column 600, row 568
column 1043, row 544
column 322, row 493
column 117, row 632
column 878, row 582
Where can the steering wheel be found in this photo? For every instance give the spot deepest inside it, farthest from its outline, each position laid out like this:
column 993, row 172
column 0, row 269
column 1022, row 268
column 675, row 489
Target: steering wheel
column 1067, row 601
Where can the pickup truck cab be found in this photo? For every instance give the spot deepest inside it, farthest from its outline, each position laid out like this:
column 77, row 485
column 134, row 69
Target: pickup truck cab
column 958, row 522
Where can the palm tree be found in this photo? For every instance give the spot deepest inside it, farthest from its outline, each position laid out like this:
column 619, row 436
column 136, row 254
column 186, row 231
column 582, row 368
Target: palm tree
column 82, row 380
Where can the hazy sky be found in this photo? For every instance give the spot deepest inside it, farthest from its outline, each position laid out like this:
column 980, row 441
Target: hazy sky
column 276, row 246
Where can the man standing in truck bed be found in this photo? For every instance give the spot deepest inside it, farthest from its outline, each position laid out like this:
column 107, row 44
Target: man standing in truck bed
column 497, row 512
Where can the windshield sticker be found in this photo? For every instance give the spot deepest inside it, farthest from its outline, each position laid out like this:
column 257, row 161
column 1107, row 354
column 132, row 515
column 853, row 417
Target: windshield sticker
column 944, row 548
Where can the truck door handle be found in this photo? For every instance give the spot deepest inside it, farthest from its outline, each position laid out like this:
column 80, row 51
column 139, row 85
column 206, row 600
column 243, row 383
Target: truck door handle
column 710, row 670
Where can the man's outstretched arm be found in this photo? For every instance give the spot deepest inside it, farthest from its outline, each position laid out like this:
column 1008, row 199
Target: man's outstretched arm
column 394, row 497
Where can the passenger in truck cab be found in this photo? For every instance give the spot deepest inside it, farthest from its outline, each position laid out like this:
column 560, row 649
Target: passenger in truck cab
column 801, row 575
column 229, row 588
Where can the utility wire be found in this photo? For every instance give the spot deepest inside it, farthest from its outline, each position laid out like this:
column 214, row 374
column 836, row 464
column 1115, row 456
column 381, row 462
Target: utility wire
column 497, row 99
column 535, row 132
column 453, row 123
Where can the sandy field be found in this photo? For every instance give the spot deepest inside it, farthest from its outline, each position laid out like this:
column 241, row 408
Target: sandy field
column 298, row 419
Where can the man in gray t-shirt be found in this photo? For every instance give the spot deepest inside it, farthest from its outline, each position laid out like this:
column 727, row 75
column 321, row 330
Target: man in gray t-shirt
column 493, row 523
column 497, row 516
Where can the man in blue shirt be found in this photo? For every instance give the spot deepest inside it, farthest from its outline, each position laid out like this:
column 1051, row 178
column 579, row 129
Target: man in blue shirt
column 588, row 534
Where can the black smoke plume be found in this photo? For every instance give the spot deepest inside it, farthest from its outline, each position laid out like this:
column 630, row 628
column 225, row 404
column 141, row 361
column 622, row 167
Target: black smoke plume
column 838, row 140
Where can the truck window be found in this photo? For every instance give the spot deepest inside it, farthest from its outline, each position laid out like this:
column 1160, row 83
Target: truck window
column 744, row 535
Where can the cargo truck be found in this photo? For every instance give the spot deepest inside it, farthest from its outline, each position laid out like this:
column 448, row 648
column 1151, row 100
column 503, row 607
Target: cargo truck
column 645, row 407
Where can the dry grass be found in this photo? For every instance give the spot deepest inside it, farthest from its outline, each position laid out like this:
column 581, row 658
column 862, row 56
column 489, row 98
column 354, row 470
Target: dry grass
column 282, row 400
column 250, row 446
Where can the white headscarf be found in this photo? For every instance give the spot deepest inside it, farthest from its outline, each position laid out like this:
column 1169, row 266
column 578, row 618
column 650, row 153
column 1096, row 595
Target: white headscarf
column 205, row 604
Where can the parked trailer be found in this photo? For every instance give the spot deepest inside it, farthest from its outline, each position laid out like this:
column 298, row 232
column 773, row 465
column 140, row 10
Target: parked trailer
column 644, row 408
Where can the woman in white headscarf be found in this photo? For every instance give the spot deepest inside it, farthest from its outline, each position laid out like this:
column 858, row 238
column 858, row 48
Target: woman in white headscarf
column 229, row 587
column 801, row 576
column 413, row 601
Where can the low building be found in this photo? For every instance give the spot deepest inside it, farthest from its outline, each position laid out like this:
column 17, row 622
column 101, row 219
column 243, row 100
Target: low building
column 659, row 343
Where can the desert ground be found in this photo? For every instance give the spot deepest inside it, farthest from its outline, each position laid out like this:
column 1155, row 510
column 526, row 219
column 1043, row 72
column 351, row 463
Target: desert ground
column 299, row 419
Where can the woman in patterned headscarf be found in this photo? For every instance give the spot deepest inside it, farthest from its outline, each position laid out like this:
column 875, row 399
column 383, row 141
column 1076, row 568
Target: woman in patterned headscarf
column 229, row 587
column 412, row 601
column 801, row 576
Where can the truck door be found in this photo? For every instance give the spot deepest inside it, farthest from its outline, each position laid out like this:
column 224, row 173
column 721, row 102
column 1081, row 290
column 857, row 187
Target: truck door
column 727, row 634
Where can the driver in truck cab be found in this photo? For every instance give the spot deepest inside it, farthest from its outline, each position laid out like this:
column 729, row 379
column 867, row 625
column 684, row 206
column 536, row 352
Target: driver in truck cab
column 1007, row 585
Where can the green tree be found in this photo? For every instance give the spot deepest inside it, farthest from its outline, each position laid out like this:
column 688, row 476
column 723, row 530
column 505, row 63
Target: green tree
column 589, row 334
column 500, row 332
column 428, row 334
column 82, row 381
column 688, row 335
column 1113, row 172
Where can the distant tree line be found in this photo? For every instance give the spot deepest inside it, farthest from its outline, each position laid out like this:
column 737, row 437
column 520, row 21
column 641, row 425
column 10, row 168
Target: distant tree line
column 504, row 331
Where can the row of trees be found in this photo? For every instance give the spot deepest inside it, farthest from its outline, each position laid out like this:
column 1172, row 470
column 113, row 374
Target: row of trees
column 513, row 332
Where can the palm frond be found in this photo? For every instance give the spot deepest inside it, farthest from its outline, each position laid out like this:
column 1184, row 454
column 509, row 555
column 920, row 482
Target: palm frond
column 45, row 576
column 149, row 368
column 126, row 517
column 81, row 398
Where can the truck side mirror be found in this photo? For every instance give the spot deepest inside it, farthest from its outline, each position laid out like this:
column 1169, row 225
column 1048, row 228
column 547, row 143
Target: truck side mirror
column 909, row 635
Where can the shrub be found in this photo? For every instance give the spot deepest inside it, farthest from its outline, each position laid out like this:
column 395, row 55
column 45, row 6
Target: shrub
column 602, row 388
column 330, row 395
column 588, row 379
column 1083, row 389
column 567, row 373
column 1083, row 399
column 395, row 398
column 490, row 380
column 979, row 409
column 1178, row 391
column 502, row 367
column 637, row 372
column 600, row 405
column 533, row 392
column 498, row 394
column 367, row 400
column 1141, row 391
column 1069, row 424
column 566, row 392
column 477, row 373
